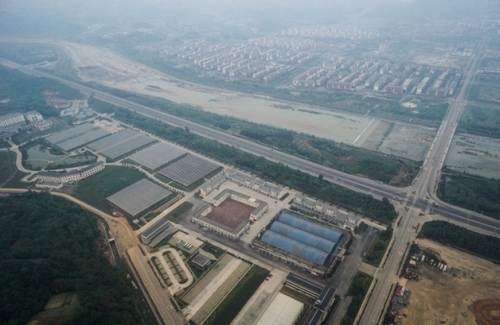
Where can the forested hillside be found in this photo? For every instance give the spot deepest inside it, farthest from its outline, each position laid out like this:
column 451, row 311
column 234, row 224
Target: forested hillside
column 46, row 249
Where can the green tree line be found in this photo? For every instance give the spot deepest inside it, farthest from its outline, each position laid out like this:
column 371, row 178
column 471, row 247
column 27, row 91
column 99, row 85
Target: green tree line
column 46, row 249
column 277, row 172
column 456, row 236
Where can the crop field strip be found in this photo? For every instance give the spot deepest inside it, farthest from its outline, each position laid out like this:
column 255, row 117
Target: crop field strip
column 157, row 155
column 188, row 170
column 139, row 196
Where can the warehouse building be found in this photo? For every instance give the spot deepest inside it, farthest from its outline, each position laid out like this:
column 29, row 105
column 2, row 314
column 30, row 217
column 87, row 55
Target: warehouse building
column 11, row 120
column 327, row 212
column 324, row 297
column 74, row 175
column 157, row 232
column 212, row 185
column 230, row 213
column 139, row 197
column 302, row 242
column 283, row 310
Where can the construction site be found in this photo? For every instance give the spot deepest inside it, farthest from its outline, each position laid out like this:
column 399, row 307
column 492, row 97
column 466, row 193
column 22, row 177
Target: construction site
column 442, row 285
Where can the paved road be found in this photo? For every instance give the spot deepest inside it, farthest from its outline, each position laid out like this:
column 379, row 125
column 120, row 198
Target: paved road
column 472, row 220
column 424, row 187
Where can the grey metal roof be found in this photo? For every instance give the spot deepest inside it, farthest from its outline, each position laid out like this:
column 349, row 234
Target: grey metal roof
column 139, row 197
column 82, row 139
column 157, row 155
column 71, row 133
column 188, row 170
column 305, row 283
column 121, row 143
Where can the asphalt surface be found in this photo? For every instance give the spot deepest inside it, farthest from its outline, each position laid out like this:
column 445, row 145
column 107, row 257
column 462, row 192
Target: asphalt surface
column 474, row 221
column 420, row 196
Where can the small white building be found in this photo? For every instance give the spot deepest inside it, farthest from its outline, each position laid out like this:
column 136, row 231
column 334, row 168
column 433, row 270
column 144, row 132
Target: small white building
column 33, row 117
column 283, row 310
column 11, row 119
column 74, row 175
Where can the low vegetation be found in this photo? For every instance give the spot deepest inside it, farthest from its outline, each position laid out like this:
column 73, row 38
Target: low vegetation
column 96, row 188
column 46, row 249
column 361, row 203
column 361, row 228
column 452, row 235
column 238, row 297
column 179, row 211
column 350, row 159
column 481, row 120
column 357, row 290
column 470, row 192
column 25, row 93
column 376, row 252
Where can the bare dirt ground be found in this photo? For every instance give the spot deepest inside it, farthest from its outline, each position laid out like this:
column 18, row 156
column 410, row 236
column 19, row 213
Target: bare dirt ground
column 231, row 213
column 487, row 311
column 449, row 297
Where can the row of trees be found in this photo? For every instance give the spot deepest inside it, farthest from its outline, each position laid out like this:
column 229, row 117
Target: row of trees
column 25, row 93
column 456, row 236
column 352, row 160
column 315, row 186
column 472, row 193
column 46, row 249
column 357, row 290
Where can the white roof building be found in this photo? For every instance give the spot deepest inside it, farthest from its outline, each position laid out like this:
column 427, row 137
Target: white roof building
column 283, row 310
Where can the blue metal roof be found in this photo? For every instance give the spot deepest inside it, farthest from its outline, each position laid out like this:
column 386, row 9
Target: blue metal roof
column 309, row 226
column 303, row 236
column 295, row 247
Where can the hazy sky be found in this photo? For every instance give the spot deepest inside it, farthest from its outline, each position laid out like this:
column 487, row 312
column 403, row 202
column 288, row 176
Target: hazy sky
column 72, row 16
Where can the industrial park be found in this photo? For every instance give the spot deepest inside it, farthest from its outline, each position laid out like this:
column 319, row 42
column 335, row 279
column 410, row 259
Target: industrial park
column 282, row 164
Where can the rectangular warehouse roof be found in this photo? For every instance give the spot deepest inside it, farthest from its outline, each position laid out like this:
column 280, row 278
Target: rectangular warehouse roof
column 301, row 237
column 139, row 197
column 157, row 155
column 121, row 143
column 82, row 139
column 283, row 310
column 188, row 170
column 71, row 133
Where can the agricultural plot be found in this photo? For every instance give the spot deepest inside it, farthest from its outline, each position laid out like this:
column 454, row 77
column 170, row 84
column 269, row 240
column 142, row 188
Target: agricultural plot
column 121, row 143
column 157, row 155
column 161, row 271
column 138, row 197
column 411, row 142
column 474, row 155
column 188, row 170
column 177, row 270
column 205, row 295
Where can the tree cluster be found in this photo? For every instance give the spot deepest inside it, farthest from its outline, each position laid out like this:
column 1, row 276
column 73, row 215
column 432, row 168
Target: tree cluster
column 46, row 249
column 456, row 236
column 363, row 204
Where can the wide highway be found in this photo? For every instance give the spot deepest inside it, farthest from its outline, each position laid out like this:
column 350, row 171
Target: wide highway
column 473, row 220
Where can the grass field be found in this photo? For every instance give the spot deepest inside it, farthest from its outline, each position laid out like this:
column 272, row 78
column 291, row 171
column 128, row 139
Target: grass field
column 357, row 290
column 95, row 189
column 10, row 177
column 179, row 211
column 377, row 250
column 481, row 120
column 7, row 167
column 4, row 144
column 238, row 297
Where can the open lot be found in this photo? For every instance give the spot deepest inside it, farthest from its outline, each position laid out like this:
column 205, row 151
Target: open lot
column 474, row 155
column 95, row 189
column 448, row 297
column 231, row 213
